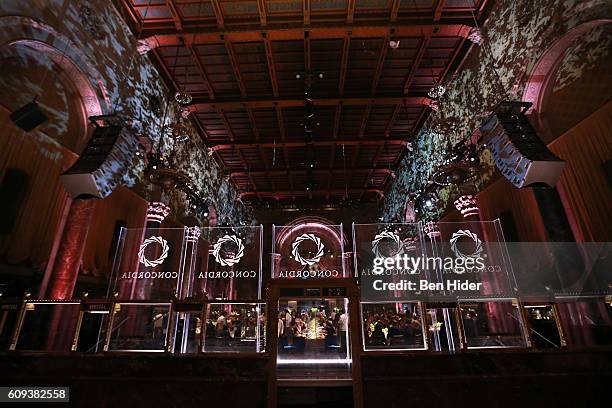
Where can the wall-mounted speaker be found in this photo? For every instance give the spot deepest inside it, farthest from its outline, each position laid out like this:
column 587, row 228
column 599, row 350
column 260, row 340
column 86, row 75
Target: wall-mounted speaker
column 519, row 153
column 103, row 163
column 607, row 165
column 28, row 116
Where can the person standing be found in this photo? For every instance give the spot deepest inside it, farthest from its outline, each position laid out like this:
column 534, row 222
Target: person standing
column 343, row 330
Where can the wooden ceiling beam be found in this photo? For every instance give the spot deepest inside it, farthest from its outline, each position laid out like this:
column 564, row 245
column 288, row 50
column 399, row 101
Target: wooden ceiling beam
column 307, row 51
column 374, row 163
column 262, row 151
column 415, row 65
column 344, row 64
column 218, row 13
column 380, row 64
column 395, row 10
column 281, row 128
column 202, row 71
column 253, row 103
column 438, row 10
column 318, row 142
column 176, row 17
column 168, row 36
column 267, row 173
column 261, row 10
column 306, row 11
column 350, row 11
column 340, row 191
column 235, row 67
column 271, row 66
column 389, row 126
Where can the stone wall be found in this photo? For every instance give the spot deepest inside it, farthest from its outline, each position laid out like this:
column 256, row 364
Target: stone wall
column 95, row 37
column 515, row 36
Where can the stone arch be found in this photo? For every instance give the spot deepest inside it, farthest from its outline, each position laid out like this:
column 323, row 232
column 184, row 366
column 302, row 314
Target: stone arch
column 543, row 72
column 16, row 31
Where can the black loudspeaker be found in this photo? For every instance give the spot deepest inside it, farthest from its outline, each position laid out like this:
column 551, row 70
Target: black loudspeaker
column 103, row 163
column 607, row 165
column 28, row 116
column 13, row 190
column 518, row 151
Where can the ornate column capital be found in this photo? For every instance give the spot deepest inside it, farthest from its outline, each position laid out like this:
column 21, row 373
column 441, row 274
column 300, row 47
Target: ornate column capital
column 157, row 212
column 147, row 44
column 431, row 229
column 467, row 205
column 193, row 234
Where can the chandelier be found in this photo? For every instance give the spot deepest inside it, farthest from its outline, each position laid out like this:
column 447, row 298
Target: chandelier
column 460, row 165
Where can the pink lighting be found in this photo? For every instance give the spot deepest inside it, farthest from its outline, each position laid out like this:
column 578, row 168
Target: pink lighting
column 467, row 205
column 157, row 212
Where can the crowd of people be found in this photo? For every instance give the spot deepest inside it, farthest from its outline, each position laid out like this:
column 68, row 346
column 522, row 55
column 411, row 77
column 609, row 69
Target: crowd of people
column 295, row 327
column 231, row 326
column 389, row 327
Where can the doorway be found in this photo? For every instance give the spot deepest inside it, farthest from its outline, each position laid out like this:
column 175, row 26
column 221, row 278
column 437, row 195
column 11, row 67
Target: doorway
column 313, row 339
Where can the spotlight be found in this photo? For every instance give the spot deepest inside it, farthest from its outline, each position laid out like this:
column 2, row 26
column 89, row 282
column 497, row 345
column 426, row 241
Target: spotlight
column 298, row 76
column 394, row 44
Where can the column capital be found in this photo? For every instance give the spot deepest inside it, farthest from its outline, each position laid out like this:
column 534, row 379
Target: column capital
column 431, row 229
column 467, row 205
column 193, row 234
column 157, row 211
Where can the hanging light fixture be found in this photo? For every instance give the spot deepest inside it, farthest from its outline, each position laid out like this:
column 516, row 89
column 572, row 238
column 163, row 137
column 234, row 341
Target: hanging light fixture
column 437, row 91
column 460, row 165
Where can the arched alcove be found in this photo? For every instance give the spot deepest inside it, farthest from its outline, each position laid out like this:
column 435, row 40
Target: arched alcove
column 571, row 79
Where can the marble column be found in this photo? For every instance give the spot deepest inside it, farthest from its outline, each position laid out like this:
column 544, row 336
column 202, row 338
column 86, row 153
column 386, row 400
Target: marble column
column 70, row 252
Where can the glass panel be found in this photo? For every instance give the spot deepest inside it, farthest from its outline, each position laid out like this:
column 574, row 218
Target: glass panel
column 492, row 325
column 92, row 332
column 8, row 319
column 226, row 264
column 48, row 326
column 140, row 327
column 393, row 326
column 308, row 250
column 234, row 327
column 586, row 322
column 313, row 339
column 442, row 328
column 149, row 263
column 543, row 326
column 189, row 329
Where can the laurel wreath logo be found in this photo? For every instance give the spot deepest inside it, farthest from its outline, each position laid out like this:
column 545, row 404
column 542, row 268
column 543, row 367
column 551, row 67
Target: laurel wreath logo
column 233, row 259
column 296, row 245
column 399, row 245
column 473, row 237
column 162, row 257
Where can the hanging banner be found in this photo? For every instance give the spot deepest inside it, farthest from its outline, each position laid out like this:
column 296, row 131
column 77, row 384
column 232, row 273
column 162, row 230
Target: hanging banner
column 309, row 250
column 149, row 263
column 433, row 262
column 225, row 263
